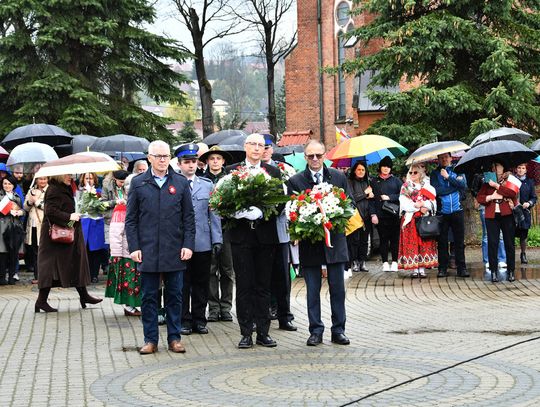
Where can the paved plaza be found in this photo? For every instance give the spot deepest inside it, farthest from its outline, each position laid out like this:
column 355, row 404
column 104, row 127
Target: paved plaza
column 431, row 342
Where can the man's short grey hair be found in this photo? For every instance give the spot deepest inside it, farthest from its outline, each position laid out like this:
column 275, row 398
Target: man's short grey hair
column 314, row 142
column 155, row 144
column 138, row 163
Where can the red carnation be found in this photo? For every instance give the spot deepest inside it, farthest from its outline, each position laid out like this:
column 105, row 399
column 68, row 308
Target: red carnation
column 342, row 195
column 318, row 196
column 308, row 191
column 293, row 216
column 328, row 225
column 301, row 197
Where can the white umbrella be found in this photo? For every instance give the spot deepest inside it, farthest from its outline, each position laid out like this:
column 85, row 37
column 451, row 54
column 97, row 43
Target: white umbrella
column 79, row 163
column 29, row 154
column 432, row 150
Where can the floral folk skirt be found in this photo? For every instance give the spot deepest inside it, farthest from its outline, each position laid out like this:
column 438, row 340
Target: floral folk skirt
column 415, row 252
column 123, row 282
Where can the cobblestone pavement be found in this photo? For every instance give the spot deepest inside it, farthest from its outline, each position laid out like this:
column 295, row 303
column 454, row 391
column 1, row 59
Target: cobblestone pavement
column 431, row 342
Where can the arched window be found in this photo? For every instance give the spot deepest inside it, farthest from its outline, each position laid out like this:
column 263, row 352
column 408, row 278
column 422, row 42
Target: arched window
column 343, row 14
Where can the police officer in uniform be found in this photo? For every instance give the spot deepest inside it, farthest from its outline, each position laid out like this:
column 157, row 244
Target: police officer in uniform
column 208, row 240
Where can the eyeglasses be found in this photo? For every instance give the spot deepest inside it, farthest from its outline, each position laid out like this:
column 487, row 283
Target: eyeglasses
column 312, row 156
column 161, row 157
column 253, row 144
column 413, row 172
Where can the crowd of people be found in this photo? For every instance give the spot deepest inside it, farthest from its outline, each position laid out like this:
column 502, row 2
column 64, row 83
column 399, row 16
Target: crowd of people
column 165, row 251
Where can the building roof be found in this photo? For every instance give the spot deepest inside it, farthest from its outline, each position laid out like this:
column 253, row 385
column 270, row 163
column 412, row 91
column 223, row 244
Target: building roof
column 300, row 137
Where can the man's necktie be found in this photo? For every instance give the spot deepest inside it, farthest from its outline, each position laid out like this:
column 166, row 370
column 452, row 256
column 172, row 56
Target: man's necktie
column 191, row 184
column 317, row 178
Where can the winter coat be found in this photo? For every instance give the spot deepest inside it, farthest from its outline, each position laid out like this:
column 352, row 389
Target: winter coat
column 391, row 187
column 316, row 254
column 35, row 214
column 160, row 221
column 527, row 193
column 449, row 191
column 8, row 221
column 59, row 264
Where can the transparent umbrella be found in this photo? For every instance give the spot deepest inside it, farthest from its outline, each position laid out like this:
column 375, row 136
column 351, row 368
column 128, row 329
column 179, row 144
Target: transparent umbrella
column 28, row 155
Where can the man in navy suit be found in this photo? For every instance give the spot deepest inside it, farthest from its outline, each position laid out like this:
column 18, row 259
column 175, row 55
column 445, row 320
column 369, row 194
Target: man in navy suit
column 208, row 238
column 253, row 242
column 314, row 255
column 160, row 230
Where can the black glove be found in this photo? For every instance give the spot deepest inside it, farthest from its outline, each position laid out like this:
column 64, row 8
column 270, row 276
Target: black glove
column 216, row 249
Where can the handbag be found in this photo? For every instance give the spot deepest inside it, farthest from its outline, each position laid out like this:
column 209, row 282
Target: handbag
column 62, row 234
column 391, row 208
column 519, row 216
column 429, row 227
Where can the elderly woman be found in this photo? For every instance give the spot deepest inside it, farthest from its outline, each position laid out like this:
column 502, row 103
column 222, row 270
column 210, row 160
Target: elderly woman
column 527, row 199
column 60, row 264
column 11, row 229
column 33, row 204
column 417, row 198
column 362, row 193
column 499, row 198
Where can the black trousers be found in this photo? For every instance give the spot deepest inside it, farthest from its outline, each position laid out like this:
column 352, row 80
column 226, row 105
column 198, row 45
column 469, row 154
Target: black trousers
column 456, row 222
column 195, row 290
column 389, row 237
column 357, row 243
column 281, row 283
column 494, row 227
column 253, row 269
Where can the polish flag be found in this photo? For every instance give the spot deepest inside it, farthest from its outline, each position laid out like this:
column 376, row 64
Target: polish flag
column 5, row 205
column 513, row 183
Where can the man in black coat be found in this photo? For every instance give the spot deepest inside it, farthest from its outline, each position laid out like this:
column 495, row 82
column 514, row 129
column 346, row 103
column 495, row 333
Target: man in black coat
column 160, row 230
column 314, row 255
column 253, row 242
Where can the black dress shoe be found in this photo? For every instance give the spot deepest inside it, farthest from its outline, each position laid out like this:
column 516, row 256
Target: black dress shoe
column 287, row 326
column 272, row 315
column 200, row 329
column 463, row 273
column 340, row 339
column 245, row 343
column 266, row 341
column 442, row 273
column 185, row 331
column 212, row 318
column 314, row 340
column 523, row 258
column 225, row 316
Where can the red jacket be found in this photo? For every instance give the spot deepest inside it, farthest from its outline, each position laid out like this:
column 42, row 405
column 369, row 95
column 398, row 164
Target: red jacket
column 504, row 205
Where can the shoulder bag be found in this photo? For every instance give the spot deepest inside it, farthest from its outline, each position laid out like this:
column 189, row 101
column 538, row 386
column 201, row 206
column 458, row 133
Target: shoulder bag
column 390, row 208
column 61, row 234
column 429, row 227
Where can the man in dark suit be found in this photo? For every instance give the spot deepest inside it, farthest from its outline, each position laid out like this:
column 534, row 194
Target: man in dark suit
column 160, row 230
column 253, row 242
column 314, row 255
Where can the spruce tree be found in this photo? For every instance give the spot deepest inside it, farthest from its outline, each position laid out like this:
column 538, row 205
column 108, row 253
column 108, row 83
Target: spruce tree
column 472, row 66
column 81, row 64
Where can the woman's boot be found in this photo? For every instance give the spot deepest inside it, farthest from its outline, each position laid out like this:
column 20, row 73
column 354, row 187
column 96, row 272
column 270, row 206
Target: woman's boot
column 86, row 298
column 523, row 257
column 511, row 276
column 494, row 278
column 41, row 302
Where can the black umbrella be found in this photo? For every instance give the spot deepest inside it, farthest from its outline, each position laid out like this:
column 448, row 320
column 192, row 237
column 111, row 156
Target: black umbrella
column 82, row 143
column 120, row 143
column 219, row 136
column 502, row 133
column 236, row 151
column 239, row 140
column 41, row 133
column 508, row 152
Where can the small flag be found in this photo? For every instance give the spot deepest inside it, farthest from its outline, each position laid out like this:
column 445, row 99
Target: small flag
column 341, row 135
column 512, row 183
column 426, row 193
column 5, row 205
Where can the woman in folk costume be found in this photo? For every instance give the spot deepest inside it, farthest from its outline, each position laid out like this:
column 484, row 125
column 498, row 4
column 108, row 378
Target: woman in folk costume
column 123, row 279
column 417, row 198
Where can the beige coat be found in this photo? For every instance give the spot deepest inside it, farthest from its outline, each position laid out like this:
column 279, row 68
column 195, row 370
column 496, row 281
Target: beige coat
column 35, row 213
